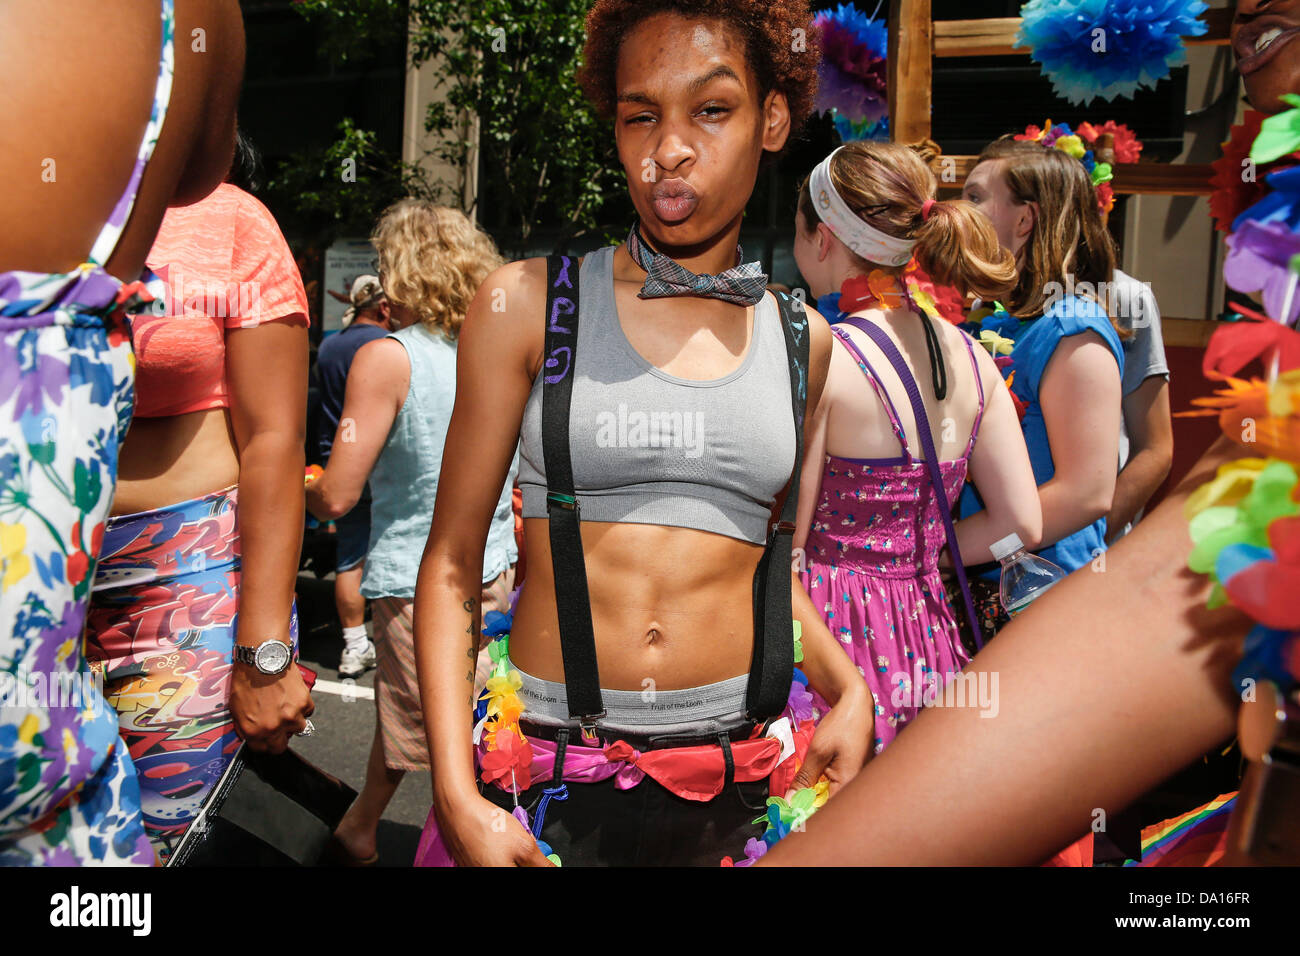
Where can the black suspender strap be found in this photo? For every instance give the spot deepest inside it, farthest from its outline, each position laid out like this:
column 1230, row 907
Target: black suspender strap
column 572, row 602
column 772, row 669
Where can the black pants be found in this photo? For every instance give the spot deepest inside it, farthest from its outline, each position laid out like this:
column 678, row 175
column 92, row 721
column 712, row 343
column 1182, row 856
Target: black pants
column 648, row 825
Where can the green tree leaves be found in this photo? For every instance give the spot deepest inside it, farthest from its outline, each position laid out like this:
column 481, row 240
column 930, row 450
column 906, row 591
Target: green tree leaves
column 545, row 157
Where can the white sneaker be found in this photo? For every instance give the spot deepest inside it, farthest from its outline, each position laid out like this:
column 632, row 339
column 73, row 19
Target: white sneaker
column 355, row 663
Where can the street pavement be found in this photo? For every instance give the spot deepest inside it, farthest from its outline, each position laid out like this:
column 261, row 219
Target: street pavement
column 345, row 723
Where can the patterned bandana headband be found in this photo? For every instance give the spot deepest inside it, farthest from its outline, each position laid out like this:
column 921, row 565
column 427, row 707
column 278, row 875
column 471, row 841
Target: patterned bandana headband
column 742, row 285
column 860, row 236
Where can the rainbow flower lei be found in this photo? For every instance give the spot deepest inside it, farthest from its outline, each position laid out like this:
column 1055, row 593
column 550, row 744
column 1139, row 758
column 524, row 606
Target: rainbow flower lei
column 992, row 327
column 1245, row 522
column 509, row 756
column 783, row 816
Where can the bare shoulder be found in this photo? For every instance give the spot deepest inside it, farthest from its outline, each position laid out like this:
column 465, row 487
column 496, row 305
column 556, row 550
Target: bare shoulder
column 960, row 341
column 380, row 372
column 381, row 359
column 507, row 314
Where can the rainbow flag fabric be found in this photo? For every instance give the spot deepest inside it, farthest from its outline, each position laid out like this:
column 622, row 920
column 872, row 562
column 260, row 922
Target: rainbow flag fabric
column 1197, row 838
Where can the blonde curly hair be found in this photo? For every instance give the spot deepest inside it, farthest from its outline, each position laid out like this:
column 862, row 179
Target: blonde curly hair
column 432, row 260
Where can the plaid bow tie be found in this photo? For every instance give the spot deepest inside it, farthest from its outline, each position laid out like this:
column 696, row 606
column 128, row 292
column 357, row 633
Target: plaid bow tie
column 742, row 285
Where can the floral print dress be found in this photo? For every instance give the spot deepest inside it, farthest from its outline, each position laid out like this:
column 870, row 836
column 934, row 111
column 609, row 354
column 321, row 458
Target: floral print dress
column 68, row 790
column 872, row 569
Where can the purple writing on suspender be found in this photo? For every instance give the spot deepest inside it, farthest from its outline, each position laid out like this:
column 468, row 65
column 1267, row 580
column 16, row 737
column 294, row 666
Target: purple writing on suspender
column 562, row 306
column 553, row 361
column 563, row 281
column 561, row 354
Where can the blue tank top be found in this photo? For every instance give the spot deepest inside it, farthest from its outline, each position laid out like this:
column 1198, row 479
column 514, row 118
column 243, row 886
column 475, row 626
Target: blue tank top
column 404, row 481
column 1036, row 341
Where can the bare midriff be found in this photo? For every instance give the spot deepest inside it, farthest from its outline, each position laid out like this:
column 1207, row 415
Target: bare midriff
column 672, row 606
column 165, row 461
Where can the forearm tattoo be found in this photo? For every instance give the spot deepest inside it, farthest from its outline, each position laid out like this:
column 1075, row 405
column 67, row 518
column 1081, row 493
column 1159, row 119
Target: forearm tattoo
column 471, row 606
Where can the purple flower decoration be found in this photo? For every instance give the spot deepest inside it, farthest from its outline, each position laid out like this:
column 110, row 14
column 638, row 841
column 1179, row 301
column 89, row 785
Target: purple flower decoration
column 849, row 96
column 1258, row 259
column 754, row 851
column 68, row 628
column 800, row 701
column 59, row 856
column 36, row 378
column 852, row 73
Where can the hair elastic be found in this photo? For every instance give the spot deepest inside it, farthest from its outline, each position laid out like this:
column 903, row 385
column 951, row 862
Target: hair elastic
column 850, row 228
column 925, row 209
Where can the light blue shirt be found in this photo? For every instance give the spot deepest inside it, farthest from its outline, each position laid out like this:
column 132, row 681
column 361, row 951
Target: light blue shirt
column 404, row 481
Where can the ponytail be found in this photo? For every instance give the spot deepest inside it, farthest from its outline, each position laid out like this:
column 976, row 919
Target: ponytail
column 957, row 246
column 892, row 188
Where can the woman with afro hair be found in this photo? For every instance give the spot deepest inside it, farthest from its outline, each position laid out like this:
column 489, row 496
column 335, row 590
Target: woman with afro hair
column 659, row 393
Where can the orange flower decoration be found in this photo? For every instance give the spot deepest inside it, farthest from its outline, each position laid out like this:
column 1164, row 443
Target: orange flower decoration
column 878, row 286
column 1246, row 411
column 950, row 304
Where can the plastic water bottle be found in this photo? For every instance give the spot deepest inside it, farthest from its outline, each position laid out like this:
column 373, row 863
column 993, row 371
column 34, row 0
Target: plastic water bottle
column 1025, row 577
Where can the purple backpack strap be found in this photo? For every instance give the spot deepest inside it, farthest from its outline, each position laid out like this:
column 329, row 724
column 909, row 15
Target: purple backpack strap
column 887, row 346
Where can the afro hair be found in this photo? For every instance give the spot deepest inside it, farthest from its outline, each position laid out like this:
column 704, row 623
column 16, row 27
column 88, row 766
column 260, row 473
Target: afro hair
column 783, row 46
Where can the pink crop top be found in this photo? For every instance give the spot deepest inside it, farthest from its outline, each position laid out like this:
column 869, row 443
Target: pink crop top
column 226, row 266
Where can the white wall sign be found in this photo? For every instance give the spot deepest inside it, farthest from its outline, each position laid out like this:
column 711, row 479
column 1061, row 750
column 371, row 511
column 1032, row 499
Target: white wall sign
column 344, row 261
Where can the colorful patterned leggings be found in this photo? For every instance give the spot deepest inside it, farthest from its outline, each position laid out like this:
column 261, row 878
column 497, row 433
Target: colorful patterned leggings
column 162, row 628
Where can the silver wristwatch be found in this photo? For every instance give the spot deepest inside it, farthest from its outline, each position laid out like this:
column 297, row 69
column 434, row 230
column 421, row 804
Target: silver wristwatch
column 269, row 657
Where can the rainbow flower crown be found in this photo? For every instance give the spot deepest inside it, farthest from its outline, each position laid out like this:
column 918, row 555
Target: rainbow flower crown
column 1115, row 141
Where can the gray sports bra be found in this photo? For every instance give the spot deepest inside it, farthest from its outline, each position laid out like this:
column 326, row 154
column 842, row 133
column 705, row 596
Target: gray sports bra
column 651, row 448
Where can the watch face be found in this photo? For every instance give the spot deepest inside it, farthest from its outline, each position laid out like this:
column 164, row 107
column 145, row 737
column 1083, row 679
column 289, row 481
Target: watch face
column 272, row 657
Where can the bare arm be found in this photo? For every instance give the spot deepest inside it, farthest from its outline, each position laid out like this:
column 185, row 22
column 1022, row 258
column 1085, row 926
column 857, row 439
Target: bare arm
column 497, row 360
column 1074, row 683
column 378, row 381
column 843, row 739
column 1080, row 396
column 1151, row 451
column 266, row 371
column 210, row 35
column 1000, row 469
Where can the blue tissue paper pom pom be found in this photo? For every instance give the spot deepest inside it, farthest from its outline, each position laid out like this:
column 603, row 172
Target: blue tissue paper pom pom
column 1105, row 49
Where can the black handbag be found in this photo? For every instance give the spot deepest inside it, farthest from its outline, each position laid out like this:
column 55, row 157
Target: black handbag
column 266, row 810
